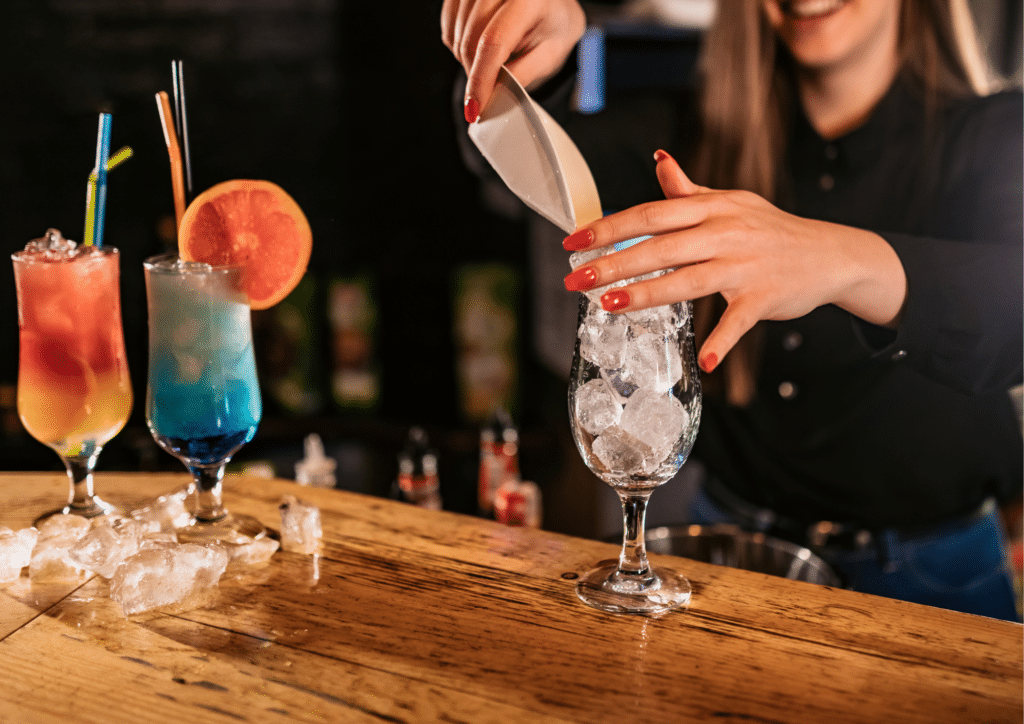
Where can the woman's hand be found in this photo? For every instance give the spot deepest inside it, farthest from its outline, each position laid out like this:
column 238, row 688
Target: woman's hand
column 532, row 37
column 766, row 263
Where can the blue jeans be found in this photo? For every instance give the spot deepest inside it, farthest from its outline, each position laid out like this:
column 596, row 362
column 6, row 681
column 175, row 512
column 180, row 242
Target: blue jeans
column 960, row 566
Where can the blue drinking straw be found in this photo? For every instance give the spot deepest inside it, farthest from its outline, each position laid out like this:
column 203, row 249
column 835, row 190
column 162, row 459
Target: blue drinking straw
column 102, row 156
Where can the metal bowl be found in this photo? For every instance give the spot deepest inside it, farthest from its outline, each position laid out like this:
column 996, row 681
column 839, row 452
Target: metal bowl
column 727, row 545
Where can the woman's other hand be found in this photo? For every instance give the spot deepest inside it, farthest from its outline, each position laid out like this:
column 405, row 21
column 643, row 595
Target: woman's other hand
column 766, row 263
column 532, row 37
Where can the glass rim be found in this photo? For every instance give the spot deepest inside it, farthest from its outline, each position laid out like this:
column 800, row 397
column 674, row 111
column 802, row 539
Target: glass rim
column 152, row 264
column 30, row 255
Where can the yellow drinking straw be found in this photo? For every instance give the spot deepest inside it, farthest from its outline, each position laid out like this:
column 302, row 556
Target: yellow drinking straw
column 122, row 155
column 163, row 105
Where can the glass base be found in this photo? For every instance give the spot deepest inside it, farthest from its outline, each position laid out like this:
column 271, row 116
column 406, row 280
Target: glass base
column 658, row 591
column 229, row 530
column 94, row 509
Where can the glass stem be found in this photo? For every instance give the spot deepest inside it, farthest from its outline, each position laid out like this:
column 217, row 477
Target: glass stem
column 633, row 559
column 81, row 496
column 209, row 506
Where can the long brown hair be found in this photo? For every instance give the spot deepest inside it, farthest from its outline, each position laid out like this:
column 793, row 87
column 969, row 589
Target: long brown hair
column 746, row 93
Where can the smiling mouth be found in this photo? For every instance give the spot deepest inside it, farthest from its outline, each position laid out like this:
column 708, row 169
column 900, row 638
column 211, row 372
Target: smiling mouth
column 806, row 9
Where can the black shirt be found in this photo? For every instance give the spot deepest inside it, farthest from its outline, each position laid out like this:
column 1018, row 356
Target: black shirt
column 850, row 421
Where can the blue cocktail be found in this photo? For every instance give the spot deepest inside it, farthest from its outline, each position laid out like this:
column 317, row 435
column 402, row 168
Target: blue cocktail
column 202, row 400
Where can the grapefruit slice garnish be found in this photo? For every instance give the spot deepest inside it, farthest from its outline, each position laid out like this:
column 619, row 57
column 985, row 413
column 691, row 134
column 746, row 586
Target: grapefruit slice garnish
column 256, row 225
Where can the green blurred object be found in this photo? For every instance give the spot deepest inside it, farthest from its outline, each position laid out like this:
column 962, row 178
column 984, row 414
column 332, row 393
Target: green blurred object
column 352, row 310
column 288, row 350
column 486, row 329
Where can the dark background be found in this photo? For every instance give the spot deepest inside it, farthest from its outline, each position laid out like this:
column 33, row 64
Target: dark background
column 348, row 106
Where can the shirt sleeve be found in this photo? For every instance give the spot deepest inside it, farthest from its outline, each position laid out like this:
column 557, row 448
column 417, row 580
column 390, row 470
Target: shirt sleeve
column 964, row 315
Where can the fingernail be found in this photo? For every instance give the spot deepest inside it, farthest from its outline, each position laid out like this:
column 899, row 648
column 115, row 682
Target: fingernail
column 615, row 299
column 581, row 280
column 660, row 156
column 578, row 240
column 709, row 362
column 471, row 109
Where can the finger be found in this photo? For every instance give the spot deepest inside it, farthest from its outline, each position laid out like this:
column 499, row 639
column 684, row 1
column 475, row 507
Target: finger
column 493, row 45
column 650, row 219
column 690, row 282
column 462, row 20
column 673, row 181
column 736, row 321
column 449, row 13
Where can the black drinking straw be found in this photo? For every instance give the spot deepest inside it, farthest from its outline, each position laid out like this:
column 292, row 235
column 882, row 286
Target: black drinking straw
column 181, row 119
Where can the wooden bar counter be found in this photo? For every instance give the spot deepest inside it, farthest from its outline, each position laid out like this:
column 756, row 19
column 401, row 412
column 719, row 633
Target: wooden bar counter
column 417, row 616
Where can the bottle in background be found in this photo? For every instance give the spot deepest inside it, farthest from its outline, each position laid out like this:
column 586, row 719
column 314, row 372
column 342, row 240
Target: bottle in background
column 417, row 481
column 288, row 350
column 499, row 456
column 517, row 503
column 315, row 468
column 355, row 378
column 487, row 299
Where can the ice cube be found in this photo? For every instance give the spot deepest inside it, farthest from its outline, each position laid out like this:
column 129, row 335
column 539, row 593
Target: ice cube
column 103, row 548
column 579, row 258
column 53, row 245
column 252, row 555
column 177, row 578
column 657, row 419
column 620, row 452
column 64, row 525
column 619, row 388
column 653, row 363
column 656, row 319
column 186, row 334
column 189, row 368
column 51, row 559
column 165, row 514
column 300, row 526
column 15, row 552
column 603, row 339
column 596, row 406
column 158, row 540
column 596, row 293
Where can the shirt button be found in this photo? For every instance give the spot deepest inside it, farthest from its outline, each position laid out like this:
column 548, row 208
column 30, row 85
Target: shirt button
column 787, row 390
column 831, row 152
column 792, row 340
column 898, row 355
column 826, row 182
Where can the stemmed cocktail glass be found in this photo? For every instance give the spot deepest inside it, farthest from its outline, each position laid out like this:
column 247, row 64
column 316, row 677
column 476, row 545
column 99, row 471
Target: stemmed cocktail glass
column 74, row 393
column 202, row 399
column 634, row 405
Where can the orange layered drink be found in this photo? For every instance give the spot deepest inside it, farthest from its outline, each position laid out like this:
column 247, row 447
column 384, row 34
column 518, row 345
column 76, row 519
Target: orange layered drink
column 74, row 393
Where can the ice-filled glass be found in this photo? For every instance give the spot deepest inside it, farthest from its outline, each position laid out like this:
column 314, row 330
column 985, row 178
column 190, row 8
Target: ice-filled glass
column 634, row 406
column 202, row 399
column 74, row 393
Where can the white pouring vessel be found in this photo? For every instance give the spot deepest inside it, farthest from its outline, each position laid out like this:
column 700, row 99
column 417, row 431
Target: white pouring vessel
column 535, row 157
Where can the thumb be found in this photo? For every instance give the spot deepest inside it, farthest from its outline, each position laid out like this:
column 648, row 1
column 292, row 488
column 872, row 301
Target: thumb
column 673, row 181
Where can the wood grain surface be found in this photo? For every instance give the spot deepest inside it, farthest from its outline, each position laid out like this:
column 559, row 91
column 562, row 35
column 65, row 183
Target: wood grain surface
column 418, row 616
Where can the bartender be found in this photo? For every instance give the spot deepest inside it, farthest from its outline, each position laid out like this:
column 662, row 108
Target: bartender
column 849, row 224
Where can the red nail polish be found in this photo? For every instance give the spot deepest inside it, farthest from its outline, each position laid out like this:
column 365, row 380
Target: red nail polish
column 578, row 240
column 709, row 362
column 660, row 156
column 615, row 299
column 581, row 280
column 472, row 110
